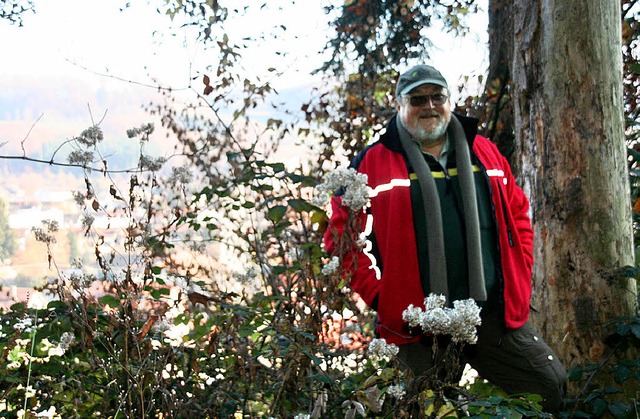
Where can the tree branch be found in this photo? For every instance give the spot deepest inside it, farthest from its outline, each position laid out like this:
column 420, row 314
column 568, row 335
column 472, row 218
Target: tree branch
column 82, row 166
column 24, row 153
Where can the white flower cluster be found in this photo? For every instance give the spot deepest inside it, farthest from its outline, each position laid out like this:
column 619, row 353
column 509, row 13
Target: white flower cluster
column 91, row 136
column 354, row 184
column 66, row 340
column 459, row 322
column 396, row 391
column 24, row 324
column 247, row 277
column 379, row 348
column 332, row 266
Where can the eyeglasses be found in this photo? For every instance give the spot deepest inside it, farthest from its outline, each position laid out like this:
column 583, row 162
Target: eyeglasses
column 420, row 100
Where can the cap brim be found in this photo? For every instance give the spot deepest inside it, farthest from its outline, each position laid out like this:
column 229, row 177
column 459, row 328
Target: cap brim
column 412, row 86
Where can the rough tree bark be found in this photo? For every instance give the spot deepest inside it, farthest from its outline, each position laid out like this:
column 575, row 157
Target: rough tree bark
column 568, row 105
column 499, row 114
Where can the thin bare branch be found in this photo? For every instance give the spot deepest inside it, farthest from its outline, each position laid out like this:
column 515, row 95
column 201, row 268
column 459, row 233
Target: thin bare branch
column 24, row 153
column 83, row 166
column 137, row 83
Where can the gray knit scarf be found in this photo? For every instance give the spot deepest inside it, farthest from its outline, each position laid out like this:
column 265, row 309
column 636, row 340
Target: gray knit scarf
column 433, row 215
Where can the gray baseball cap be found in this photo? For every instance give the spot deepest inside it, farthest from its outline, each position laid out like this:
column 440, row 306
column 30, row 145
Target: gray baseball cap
column 417, row 76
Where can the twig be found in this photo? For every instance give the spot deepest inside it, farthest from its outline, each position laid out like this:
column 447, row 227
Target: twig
column 33, row 344
column 111, row 76
column 24, row 153
column 596, row 371
column 91, row 116
column 58, row 149
column 82, row 166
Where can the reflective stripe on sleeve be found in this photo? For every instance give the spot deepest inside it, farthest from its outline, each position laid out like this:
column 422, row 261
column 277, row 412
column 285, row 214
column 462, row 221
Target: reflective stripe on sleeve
column 368, row 246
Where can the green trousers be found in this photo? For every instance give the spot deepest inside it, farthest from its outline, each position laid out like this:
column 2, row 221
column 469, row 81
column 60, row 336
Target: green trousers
column 516, row 360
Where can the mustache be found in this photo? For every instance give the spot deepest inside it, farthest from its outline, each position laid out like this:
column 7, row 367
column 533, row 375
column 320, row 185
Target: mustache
column 428, row 114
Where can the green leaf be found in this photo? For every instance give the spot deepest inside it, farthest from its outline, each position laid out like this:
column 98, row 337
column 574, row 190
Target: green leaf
column 246, row 329
column 109, row 300
column 574, row 373
column 323, row 378
column 595, row 394
column 619, row 409
column 279, row 269
column 158, row 293
column 156, row 270
column 277, row 212
column 598, row 407
column 623, row 329
column 319, row 217
column 53, row 305
column 280, row 228
column 525, row 412
column 612, row 390
column 308, row 336
column 301, row 205
column 480, row 403
column 18, row 307
column 534, row 397
column 621, row 373
column 304, row 180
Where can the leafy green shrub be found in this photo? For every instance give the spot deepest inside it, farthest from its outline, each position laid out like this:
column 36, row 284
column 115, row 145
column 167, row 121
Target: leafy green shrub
column 622, row 365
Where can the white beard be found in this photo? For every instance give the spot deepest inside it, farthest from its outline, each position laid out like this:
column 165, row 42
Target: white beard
column 427, row 138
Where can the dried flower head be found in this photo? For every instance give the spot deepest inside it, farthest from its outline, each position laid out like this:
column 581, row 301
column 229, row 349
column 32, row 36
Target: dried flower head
column 350, row 182
column 379, row 348
column 459, row 322
column 91, row 136
column 332, row 266
column 80, row 157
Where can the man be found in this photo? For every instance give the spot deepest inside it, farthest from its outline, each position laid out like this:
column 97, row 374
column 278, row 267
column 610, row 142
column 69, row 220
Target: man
column 446, row 217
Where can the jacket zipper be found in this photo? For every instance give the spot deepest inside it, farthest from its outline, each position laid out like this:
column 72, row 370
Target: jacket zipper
column 499, row 273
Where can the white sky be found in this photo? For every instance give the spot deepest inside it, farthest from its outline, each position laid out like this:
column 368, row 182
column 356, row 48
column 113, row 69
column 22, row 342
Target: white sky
column 96, row 35
column 37, row 61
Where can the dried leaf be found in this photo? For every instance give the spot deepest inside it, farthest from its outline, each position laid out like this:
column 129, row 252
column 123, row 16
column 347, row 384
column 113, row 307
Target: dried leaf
column 146, row 327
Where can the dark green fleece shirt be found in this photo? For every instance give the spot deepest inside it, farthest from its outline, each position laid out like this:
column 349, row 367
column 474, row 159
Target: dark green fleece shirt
column 454, row 229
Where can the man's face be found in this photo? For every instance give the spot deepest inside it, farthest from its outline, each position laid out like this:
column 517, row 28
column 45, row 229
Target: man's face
column 426, row 122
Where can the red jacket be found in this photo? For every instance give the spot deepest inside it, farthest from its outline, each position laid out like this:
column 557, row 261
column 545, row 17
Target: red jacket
column 390, row 279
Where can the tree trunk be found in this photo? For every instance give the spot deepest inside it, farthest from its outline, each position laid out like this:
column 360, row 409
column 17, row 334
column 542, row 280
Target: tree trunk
column 497, row 96
column 567, row 78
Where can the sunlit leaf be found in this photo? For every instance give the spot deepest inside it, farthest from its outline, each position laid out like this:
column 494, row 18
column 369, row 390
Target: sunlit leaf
column 276, row 213
column 109, row 300
column 300, row 205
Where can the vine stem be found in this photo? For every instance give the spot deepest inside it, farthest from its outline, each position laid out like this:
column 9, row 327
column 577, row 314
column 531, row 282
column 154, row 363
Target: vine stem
column 33, row 344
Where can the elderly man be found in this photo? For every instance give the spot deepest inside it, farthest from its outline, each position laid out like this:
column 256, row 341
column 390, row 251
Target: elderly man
column 446, row 217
